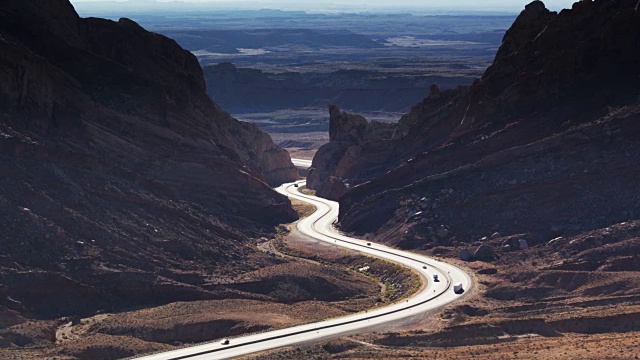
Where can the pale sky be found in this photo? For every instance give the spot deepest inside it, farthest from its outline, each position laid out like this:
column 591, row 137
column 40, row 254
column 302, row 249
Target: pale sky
column 319, row 5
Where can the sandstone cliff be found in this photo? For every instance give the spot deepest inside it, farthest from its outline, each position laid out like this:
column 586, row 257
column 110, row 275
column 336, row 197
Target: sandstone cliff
column 348, row 134
column 122, row 182
column 543, row 143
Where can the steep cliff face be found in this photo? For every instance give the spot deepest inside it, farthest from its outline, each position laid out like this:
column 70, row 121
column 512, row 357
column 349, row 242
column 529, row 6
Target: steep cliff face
column 542, row 143
column 120, row 177
column 123, row 67
column 334, row 161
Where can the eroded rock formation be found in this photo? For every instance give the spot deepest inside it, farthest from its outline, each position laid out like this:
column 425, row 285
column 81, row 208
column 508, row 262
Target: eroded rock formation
column 544, row 142
column 334, row 161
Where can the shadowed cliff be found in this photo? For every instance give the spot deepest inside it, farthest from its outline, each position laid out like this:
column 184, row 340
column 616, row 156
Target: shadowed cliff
column 122, row 182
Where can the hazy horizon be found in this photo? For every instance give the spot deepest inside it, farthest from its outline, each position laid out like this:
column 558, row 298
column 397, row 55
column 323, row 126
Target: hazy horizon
column 508, row 6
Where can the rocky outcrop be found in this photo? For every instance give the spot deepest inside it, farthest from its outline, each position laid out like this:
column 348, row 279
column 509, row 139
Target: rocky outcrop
column 335, row 161
column 333, row 188
column 115, row 161
column 539, row 143
column 345, row 127
column 273, row 162
column 345, row 131
column 484, row 253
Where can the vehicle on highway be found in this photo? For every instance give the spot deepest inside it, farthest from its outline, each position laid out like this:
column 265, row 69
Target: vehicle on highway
column 457, row 288
column 424, row 267
column 435, row 278
column 319, row 226
column 296, row 185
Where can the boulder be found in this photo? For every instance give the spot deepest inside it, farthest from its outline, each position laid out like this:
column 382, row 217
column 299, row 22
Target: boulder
column 465, row 254
column 485, row 253
column 488, row 271
column 443, row 233
column 523, row 244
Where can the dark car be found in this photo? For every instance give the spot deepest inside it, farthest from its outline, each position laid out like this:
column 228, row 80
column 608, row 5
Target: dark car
column 225, row 342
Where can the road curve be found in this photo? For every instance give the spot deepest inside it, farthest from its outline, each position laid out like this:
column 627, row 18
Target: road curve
column 301, row 163
column 319, row 226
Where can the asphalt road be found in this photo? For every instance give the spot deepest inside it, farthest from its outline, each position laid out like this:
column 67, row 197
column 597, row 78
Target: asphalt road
column 301, row 163
column 319, row 226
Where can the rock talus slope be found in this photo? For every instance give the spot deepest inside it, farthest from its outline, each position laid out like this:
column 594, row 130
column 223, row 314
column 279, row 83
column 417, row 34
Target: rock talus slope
column 121, row 182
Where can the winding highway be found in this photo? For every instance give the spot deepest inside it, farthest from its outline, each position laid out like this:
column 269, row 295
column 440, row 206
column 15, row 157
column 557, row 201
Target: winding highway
column 319, row 226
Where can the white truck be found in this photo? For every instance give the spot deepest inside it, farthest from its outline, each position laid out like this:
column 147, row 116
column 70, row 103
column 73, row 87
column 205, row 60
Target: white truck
column 457, row 288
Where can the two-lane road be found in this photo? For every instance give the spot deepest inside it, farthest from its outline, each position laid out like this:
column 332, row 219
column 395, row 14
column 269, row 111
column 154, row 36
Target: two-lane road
column 302, row 163
column 319, row 226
